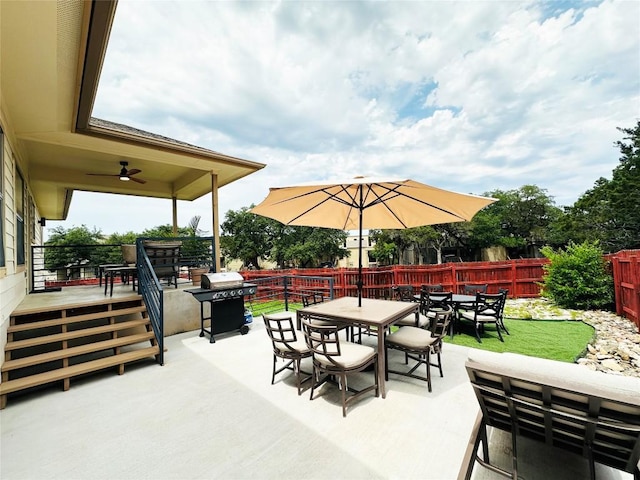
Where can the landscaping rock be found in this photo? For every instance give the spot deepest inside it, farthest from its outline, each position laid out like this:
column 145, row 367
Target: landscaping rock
column 615, row 348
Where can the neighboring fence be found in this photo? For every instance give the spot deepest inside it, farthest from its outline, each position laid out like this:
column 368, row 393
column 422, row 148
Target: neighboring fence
column 520, row 277
column 626, row 279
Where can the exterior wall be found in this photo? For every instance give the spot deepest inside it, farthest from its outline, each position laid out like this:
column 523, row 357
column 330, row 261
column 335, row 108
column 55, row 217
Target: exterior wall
column 352, row 245
column 14, row 279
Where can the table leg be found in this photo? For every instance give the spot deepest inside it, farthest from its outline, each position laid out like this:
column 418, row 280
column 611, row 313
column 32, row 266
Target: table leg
column 382, row 362
column 110, row 284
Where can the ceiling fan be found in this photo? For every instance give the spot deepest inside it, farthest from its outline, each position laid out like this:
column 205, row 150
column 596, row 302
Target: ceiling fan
column 125, row 174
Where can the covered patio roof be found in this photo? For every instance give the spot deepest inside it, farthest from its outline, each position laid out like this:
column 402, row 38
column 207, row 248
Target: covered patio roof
column 52, row 55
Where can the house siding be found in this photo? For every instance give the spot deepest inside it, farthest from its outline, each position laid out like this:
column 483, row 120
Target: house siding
column 14, row 279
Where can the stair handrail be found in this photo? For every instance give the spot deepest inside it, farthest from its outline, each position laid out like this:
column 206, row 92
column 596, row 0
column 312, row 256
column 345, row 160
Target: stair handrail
column 152, row 294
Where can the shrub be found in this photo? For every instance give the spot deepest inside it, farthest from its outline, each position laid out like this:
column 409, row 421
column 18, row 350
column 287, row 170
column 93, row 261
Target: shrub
column 577, row 277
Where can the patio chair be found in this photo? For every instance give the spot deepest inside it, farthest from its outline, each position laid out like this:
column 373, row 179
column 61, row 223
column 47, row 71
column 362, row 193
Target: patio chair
column 487, row 309
column 164, row 258
column 419, row 344
column 332, row 357
column 410, row 320
column 287, row 346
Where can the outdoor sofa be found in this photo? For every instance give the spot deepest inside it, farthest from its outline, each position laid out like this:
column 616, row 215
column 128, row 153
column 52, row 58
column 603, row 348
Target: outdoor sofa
column 565, row 405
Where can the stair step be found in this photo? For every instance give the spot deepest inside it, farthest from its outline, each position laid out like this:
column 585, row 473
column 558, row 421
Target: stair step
column 10, row 386
column 84, row 332
column 10, row 365
column 23, row 327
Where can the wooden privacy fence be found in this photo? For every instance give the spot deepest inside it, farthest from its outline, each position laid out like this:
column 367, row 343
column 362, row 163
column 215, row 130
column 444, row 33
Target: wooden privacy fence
column 626, row 279
column 520, row 277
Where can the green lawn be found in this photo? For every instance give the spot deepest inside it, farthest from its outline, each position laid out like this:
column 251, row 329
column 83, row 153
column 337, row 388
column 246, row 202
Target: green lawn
column 563, row 340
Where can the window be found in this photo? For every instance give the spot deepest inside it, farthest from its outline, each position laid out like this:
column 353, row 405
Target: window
column 20, row 219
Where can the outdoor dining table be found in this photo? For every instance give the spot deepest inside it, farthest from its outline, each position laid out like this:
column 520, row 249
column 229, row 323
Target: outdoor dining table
column 373, row 312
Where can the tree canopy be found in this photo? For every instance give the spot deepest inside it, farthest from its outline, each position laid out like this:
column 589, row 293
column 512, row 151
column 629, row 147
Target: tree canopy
column 250, row 237
column 75, row 247
column 610, row 211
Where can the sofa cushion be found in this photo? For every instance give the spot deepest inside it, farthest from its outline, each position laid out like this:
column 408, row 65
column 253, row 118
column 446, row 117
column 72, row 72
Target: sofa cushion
column 562, row 375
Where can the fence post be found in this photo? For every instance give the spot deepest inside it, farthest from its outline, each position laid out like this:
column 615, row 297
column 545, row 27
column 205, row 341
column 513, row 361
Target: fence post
column 285, row 280
column 454, row 277
column 514, row 283
column 635, row 279
column 617, row 285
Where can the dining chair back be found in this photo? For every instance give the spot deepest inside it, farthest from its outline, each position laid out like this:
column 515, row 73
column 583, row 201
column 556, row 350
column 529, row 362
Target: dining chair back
column 165, row 259
column 504, row 292
column 418, row 345
column 312, row 299
column 287, row 346
column 433, row 287
column 335, row 358
column 473, row 289
column 403, row 293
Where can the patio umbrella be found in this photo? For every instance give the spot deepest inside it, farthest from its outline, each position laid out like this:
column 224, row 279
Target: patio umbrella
column 365, row 202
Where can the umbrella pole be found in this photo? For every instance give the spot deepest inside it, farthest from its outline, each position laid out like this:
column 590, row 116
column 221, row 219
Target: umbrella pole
column 360, row 253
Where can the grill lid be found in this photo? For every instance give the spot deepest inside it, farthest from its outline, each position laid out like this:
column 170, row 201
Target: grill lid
column 221, row 280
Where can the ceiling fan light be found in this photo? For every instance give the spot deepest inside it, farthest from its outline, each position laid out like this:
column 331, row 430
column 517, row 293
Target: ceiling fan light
column 124, row 178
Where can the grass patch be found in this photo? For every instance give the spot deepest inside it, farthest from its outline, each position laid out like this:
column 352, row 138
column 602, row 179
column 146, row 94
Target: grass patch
column 562, row 340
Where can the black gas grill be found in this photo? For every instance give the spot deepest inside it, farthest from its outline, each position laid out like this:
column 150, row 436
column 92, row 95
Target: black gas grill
column 225, row 294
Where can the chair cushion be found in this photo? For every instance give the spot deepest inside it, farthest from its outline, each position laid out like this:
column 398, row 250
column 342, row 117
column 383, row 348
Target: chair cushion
column 410, row 320
column 351, row 355
column 412, row 338
column 479, row 318
column 299, row 346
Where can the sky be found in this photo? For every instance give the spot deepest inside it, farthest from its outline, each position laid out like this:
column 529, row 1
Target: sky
column 466, row 96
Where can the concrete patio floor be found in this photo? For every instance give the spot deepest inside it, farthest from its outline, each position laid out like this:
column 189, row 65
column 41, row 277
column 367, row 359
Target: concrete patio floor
column 211, row 413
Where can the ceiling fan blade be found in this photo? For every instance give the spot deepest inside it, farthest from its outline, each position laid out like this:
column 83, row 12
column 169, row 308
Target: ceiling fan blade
column 102, row 175
column 138, row 180
column 133, row 171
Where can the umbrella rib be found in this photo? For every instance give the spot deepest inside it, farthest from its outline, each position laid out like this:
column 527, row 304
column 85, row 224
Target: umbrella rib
column 388, row 196
column 330, row 197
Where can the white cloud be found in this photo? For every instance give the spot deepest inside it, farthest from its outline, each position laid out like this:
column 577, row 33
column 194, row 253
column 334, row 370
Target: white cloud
column 471, row 96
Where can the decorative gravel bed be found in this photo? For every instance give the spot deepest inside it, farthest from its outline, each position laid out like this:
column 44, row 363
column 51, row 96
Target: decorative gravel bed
column 616, row 346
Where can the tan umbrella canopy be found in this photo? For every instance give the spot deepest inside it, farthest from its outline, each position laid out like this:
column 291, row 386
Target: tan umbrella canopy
column 365, row 202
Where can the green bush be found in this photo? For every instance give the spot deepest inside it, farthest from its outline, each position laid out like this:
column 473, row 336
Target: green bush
column 578, row 277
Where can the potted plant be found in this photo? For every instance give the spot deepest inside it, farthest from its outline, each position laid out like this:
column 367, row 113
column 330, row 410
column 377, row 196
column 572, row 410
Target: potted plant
column 197, row 251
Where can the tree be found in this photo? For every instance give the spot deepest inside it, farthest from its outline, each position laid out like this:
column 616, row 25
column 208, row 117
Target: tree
column 195, row 249
column 246, row 236
column 75, row 247
column 250, row 237
column 309, row 246
column 519, row 219
column 609, row 212
column 164, row 231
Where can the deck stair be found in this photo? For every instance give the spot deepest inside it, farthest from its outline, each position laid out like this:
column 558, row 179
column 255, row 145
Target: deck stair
column 57, row 343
